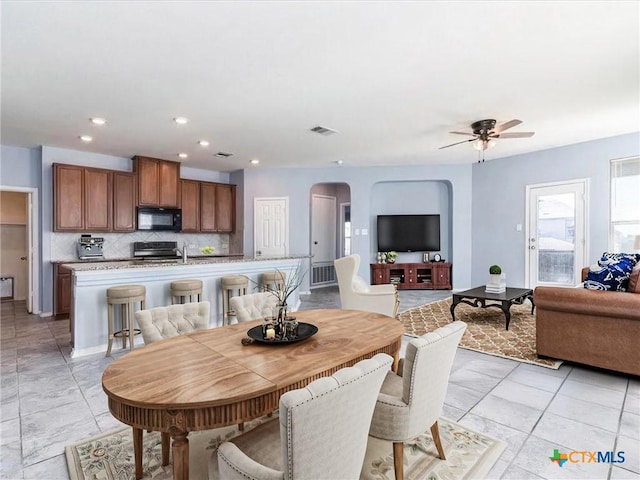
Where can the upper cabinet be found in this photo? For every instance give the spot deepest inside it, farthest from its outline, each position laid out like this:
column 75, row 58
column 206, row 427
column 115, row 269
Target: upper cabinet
column 124, row 202
column 82, row 198
column 158, row 182
column 190, row 194
column 208, row 207
column 226, row 207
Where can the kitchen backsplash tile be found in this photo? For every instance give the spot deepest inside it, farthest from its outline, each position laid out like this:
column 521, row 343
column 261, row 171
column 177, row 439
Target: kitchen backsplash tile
column 118, row 245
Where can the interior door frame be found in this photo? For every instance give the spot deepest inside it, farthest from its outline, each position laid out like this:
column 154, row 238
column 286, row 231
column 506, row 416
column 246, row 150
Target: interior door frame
column 528, row 189
column 33, row 246
column 343, row 206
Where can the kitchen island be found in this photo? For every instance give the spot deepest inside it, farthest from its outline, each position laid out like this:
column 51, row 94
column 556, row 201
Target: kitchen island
column 88, row 318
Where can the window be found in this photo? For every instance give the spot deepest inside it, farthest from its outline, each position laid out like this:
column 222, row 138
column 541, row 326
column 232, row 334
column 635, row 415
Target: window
column 624, row 231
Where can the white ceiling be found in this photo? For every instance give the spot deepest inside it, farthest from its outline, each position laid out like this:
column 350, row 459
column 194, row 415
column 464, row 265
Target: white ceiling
column 393, row 78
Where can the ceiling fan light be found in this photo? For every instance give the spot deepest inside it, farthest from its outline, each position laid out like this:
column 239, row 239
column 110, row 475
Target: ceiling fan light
column 490, row 144
column 479, row 145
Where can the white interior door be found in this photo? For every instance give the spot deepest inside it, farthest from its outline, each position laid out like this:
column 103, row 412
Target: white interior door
column 323, row 238
column 556, row 233
column 270, row 226
column 323, row 228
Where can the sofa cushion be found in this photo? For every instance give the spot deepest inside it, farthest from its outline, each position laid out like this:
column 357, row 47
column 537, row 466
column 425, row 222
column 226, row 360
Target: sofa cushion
column 612, row 272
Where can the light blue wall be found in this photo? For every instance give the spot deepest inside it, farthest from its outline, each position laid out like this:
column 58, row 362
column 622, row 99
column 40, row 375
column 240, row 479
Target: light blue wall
column 499, row 190
column 485, row 201
column 296, row 184
column 414, row 197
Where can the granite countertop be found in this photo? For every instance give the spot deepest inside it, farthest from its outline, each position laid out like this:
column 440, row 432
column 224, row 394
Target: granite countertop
column 132, row 259
column 110, row 264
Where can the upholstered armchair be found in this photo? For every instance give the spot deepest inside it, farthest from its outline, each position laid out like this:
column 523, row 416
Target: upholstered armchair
column 253, row 306
column 411, row 401
column 357, row 294
column 321, row 432
column 164, row 322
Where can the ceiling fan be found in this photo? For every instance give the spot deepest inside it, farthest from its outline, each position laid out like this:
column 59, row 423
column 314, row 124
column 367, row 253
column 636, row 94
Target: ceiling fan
column 485, row 132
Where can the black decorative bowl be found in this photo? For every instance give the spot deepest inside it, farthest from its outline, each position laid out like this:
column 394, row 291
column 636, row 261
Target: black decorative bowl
column 305, row 330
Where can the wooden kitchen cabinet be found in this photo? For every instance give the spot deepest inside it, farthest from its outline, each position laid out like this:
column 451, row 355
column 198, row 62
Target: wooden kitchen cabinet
column 124, row 202
column 217, row 207
column 62, row 291
column 190, row 204
column 82, row 199
column 208, row 207
column 68, row 186
column 226, row 208
column 431, row 275
column 158, row 182
column 97, row 199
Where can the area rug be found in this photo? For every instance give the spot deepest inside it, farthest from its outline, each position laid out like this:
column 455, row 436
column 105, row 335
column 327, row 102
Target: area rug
column 109, row 456
column 485, row 329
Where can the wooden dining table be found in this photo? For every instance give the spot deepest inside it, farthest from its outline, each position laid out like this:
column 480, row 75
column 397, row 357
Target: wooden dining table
column 209, row 379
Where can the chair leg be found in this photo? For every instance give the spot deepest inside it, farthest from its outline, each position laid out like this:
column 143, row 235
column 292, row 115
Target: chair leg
column 398, row 457
column 435, row 434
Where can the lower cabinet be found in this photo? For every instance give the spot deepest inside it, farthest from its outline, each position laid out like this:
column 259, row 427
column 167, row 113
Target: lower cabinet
column 62, row 291
column 430, row 276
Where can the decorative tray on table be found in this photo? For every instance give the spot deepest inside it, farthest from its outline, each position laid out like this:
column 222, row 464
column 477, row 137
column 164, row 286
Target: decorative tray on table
column 305, row 330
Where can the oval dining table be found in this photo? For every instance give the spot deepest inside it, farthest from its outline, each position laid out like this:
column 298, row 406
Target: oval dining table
column 209, row 379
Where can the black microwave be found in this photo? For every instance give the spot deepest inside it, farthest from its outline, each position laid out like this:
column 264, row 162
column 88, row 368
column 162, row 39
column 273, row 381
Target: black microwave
column 160, row 219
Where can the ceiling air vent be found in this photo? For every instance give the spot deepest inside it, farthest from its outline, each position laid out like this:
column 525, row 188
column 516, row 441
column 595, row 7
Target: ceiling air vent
column 223, row 154
column 323, row 130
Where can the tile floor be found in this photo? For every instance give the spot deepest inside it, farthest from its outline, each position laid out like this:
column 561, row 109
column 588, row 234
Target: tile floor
column 49, row 400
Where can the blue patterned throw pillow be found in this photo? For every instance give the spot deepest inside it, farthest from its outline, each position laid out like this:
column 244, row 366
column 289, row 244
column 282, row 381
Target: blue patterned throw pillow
column 611, row 272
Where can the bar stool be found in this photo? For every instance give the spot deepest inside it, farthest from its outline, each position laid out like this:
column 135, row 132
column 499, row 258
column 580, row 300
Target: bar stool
column 277, row 279
column 230, row 284
column 184, row 291
column 126, row 296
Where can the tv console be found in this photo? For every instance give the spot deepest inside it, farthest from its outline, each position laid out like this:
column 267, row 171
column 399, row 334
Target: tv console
column 430, row 276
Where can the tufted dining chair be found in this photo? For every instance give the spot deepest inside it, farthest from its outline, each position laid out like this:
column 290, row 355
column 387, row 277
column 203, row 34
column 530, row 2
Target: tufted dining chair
column 357, row 294
column 157, row 324
column 411, row 400
column 253, row 306
column 311, row 439
column 165, row 322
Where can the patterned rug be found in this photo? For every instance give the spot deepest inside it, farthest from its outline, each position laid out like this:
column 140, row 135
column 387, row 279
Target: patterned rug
column 109, row 456
column 485, row 329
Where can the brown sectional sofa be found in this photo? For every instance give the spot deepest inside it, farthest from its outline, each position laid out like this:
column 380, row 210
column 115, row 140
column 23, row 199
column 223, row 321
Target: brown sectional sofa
column 593, row 327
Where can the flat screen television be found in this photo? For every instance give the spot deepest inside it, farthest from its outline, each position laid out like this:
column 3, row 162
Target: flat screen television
column 409, row 233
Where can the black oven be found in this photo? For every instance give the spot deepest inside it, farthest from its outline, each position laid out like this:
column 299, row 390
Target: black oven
column 159, row 219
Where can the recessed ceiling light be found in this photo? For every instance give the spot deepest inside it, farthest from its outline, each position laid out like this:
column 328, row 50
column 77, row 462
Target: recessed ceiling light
column 203, row 143
column 181, row 120
column 339, row 162
column 85, row 138
column 98, row 121
column 183, row 155
column 255, row 161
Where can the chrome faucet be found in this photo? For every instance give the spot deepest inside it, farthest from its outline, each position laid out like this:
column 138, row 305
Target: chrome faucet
column 183, row 252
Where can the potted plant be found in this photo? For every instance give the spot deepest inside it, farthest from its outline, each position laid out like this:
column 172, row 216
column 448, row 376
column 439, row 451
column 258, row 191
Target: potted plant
column 391, row 256
column 495, row 272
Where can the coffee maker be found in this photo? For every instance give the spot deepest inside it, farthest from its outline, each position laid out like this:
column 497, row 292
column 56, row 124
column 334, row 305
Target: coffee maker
column 90, row 248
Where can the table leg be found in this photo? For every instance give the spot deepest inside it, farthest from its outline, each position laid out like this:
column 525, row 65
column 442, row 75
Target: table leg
column 506, row 308
column 454, row 302
column 180, row 450
column 533, row 305
column 166, row 443
column 137, row 451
